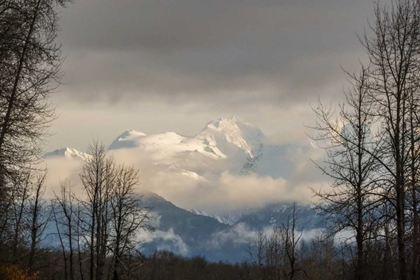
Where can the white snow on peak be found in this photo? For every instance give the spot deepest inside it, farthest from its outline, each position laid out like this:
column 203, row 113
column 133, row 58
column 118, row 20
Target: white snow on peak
column 168, row 144
column 132, row 133
column 220, row 139
column 68, row 153
column 126, row 139
column 167, row 138
column 225, row 144
column 133, row 139
column 233, row 131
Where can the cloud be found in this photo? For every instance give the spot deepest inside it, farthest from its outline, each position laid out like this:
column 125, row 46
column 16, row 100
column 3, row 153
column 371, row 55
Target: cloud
column 59, row 171
column 219, row 190
column 226, row 191
column 244, row 52
column 241, row 234
column 164, row 65
column 210, row 185
column 166, row 241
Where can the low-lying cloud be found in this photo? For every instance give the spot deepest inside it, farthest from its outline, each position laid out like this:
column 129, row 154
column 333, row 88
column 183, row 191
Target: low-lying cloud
column 241, row 235
column 228, row 192
column 214, row 192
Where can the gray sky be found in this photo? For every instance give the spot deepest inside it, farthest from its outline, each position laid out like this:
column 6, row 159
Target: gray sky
column 173, row 65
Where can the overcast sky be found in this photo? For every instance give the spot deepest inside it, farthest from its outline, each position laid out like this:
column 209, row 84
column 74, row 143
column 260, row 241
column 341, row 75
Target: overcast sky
column 173, row 65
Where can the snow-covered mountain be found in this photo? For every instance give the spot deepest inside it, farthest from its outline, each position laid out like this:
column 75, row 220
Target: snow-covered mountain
column 223, row 144
column 219, row 139
column 197, row 165
column 172, row 161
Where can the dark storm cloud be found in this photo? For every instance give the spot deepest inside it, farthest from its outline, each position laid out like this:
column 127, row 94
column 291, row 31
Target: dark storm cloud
column 261, row 51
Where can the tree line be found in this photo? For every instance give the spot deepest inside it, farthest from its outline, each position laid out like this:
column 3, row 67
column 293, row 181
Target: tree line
column 279, row 254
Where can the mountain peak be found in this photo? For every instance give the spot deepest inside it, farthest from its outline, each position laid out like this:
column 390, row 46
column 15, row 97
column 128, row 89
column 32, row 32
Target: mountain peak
column 67, row 153
column 225, row 122
column 234, row 131
column 125, row 140
column 131, row 133
column 220, row 138
column 151, row 196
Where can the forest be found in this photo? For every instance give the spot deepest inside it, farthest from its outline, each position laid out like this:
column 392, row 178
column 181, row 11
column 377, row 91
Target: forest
column 372, row 160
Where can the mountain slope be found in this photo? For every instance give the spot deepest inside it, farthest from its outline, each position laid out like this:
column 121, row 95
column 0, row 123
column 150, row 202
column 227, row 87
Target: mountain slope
column 187, row 233
column 193, row 234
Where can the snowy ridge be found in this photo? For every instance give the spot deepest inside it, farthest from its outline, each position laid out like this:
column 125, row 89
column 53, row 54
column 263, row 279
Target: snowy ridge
column 223, row 145
column 167, row 144
column 126, row 139
column 232, row 131
column 68, row 153
column 229, row 218
column 220, row 139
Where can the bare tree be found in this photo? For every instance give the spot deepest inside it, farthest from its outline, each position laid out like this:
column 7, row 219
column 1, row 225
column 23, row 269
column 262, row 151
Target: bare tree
column 352, row 152
column 29, row 63
column 98, row 178
column 65, row 214
column 29, row 67
column 39, row 216
column 276, row 254
column 413, row 181
column 129, row 217
column 392, row 89
column 394, row 51
column 291, row 239
column 27, row 219
column 21, row 195
column 112, row 214
column 79, row 237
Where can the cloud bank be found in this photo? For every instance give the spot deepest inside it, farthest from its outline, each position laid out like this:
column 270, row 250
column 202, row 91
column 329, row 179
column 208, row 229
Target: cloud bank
column 246, row 52
column 217, row 190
